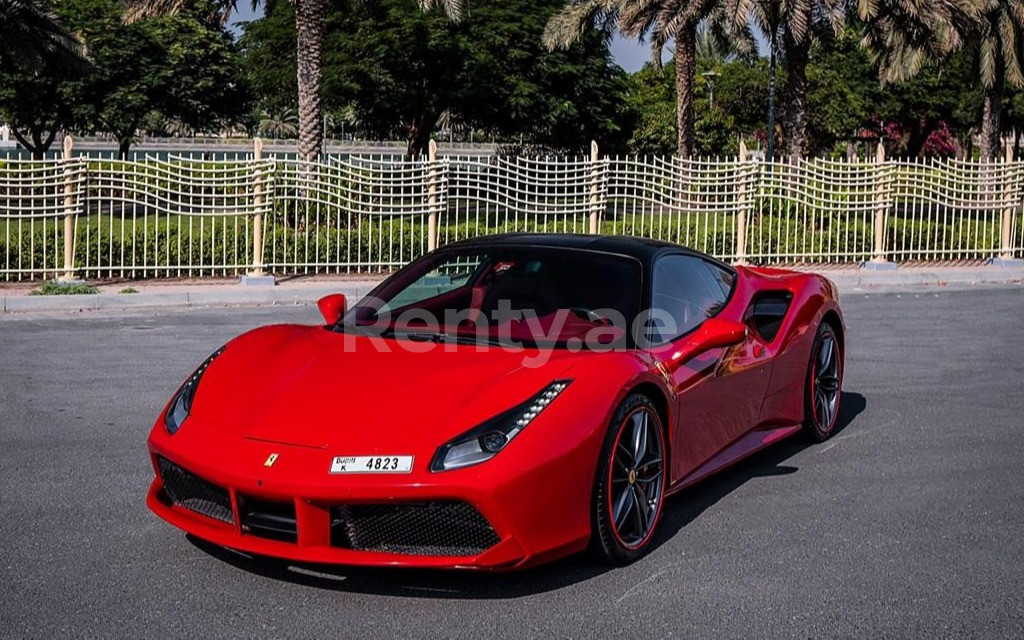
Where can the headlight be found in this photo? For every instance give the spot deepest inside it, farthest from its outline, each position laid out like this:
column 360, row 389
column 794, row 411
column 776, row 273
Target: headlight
column 181, row 404
column 484, row 441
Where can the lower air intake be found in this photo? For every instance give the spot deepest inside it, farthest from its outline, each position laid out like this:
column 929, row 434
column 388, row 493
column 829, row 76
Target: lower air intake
column 191, row 492
column 440, row 528
column 274, row 520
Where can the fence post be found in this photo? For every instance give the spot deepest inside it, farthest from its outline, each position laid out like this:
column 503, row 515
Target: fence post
column 1006, row 258
column 595, row 178
column 741, row 207
column 878, row 260
column 69, row 212
column 432, row 195
column 256, row 276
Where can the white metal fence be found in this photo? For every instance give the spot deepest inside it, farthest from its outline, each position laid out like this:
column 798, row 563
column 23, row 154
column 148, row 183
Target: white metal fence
column 179, row 216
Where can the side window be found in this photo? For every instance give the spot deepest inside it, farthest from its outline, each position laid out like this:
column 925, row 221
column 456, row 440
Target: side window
column 724, row 277
column 688, row 290
column 445, row 277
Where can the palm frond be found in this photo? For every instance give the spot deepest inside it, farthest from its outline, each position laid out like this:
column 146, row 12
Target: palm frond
column 32, row 38
column 568, row 25
column 136, row 10
column 451, row 8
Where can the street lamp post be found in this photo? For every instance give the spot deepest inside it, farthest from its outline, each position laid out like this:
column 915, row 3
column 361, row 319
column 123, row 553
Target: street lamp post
column 771, row 98
column 711, row 75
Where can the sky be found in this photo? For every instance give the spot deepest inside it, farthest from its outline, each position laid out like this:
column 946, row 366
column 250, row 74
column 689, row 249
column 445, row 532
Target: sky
column 629, row 54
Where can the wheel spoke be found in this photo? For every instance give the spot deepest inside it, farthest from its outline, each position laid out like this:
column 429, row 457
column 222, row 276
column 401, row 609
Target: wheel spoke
column 641, row 512
column 825, row 355
column 647, row 479
column 639, row 437
column 623, row 506
column 833, row 367
column 623, row 451
column 648, row 463
column 621, row 467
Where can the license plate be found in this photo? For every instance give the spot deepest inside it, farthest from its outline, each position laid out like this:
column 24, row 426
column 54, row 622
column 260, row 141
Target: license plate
column 371, row 464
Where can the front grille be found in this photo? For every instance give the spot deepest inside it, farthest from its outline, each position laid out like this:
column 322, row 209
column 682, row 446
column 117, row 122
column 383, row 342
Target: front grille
column 447, row 528
column 274, row 520
column 188, row 490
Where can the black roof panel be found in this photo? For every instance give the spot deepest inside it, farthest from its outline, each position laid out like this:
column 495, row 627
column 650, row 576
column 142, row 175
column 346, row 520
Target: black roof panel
column 644, row 249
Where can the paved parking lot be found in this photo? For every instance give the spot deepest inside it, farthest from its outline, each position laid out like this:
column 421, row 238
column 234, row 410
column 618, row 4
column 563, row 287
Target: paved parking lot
column 910, row 522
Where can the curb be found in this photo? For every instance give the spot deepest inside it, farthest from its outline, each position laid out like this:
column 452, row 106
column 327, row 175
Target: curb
column 220, row 297
column 305, row 294
column 867, row 279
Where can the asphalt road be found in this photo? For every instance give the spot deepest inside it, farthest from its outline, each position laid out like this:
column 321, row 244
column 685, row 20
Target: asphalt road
column 909, row 522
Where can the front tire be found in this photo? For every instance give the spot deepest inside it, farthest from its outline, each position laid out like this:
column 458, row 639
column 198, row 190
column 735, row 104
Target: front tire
column 630, row 482
column 823, row 390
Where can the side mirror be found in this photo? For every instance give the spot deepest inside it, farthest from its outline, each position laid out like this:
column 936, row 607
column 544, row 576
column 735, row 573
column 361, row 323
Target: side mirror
column 715, row 333
column 332, row 307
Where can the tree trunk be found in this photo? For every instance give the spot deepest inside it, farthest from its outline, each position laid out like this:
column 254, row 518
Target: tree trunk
column 919, row 135
column 38, row 145
column 686, row 70
column 124, row 144
column 991, row 122
column 794, row 116
column 418, row 134
column 309, row 26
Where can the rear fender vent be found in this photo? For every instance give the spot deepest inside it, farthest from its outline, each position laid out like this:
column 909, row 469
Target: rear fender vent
column 768, row 311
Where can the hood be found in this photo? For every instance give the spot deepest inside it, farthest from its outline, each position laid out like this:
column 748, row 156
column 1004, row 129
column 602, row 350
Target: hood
column 308, row 386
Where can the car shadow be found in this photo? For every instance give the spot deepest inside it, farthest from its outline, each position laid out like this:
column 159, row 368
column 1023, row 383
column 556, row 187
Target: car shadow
column 685, row 506
column 680, row 510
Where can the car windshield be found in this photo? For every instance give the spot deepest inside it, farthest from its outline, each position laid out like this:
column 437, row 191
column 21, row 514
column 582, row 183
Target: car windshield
column 532, row 296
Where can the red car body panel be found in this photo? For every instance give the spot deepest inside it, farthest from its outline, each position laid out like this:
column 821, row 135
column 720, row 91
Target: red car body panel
column 306, row 394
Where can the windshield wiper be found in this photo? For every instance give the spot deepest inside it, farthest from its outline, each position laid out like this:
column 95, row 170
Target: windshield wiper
column 462, row 338
column 419, row 336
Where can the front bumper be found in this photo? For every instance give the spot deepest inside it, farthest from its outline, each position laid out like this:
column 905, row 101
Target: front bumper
column 530, row 523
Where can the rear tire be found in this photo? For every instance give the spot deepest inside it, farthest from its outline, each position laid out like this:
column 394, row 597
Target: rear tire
column 823, row 390
column 630, row 483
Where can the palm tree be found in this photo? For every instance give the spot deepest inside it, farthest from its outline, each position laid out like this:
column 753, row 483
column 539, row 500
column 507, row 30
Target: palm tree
column 661, row 20
column 31, row 37
column 902, row 35
column 283, row 124
column 791, row 27
column 309, row 28
column 1000, row 45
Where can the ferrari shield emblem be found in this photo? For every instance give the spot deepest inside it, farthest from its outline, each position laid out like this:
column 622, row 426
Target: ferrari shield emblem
column 271, row 459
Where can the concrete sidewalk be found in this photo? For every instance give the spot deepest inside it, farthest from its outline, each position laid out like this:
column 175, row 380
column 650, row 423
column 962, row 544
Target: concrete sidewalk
column 295, row 291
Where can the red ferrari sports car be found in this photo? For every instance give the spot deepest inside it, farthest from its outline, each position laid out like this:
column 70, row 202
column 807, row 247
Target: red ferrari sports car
column 497, row 403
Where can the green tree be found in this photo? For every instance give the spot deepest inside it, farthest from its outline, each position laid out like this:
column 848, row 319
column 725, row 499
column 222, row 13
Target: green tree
column 998, row 38
column 662, row 20
column 310, row 21
column 396, row 71
column 791, row 28
column 34, row 105
column 737, row 109
column 180, row 67
column 650, row 101
column 843, row 93
column 939, row 94
column 32, row 37
column 37, row 57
